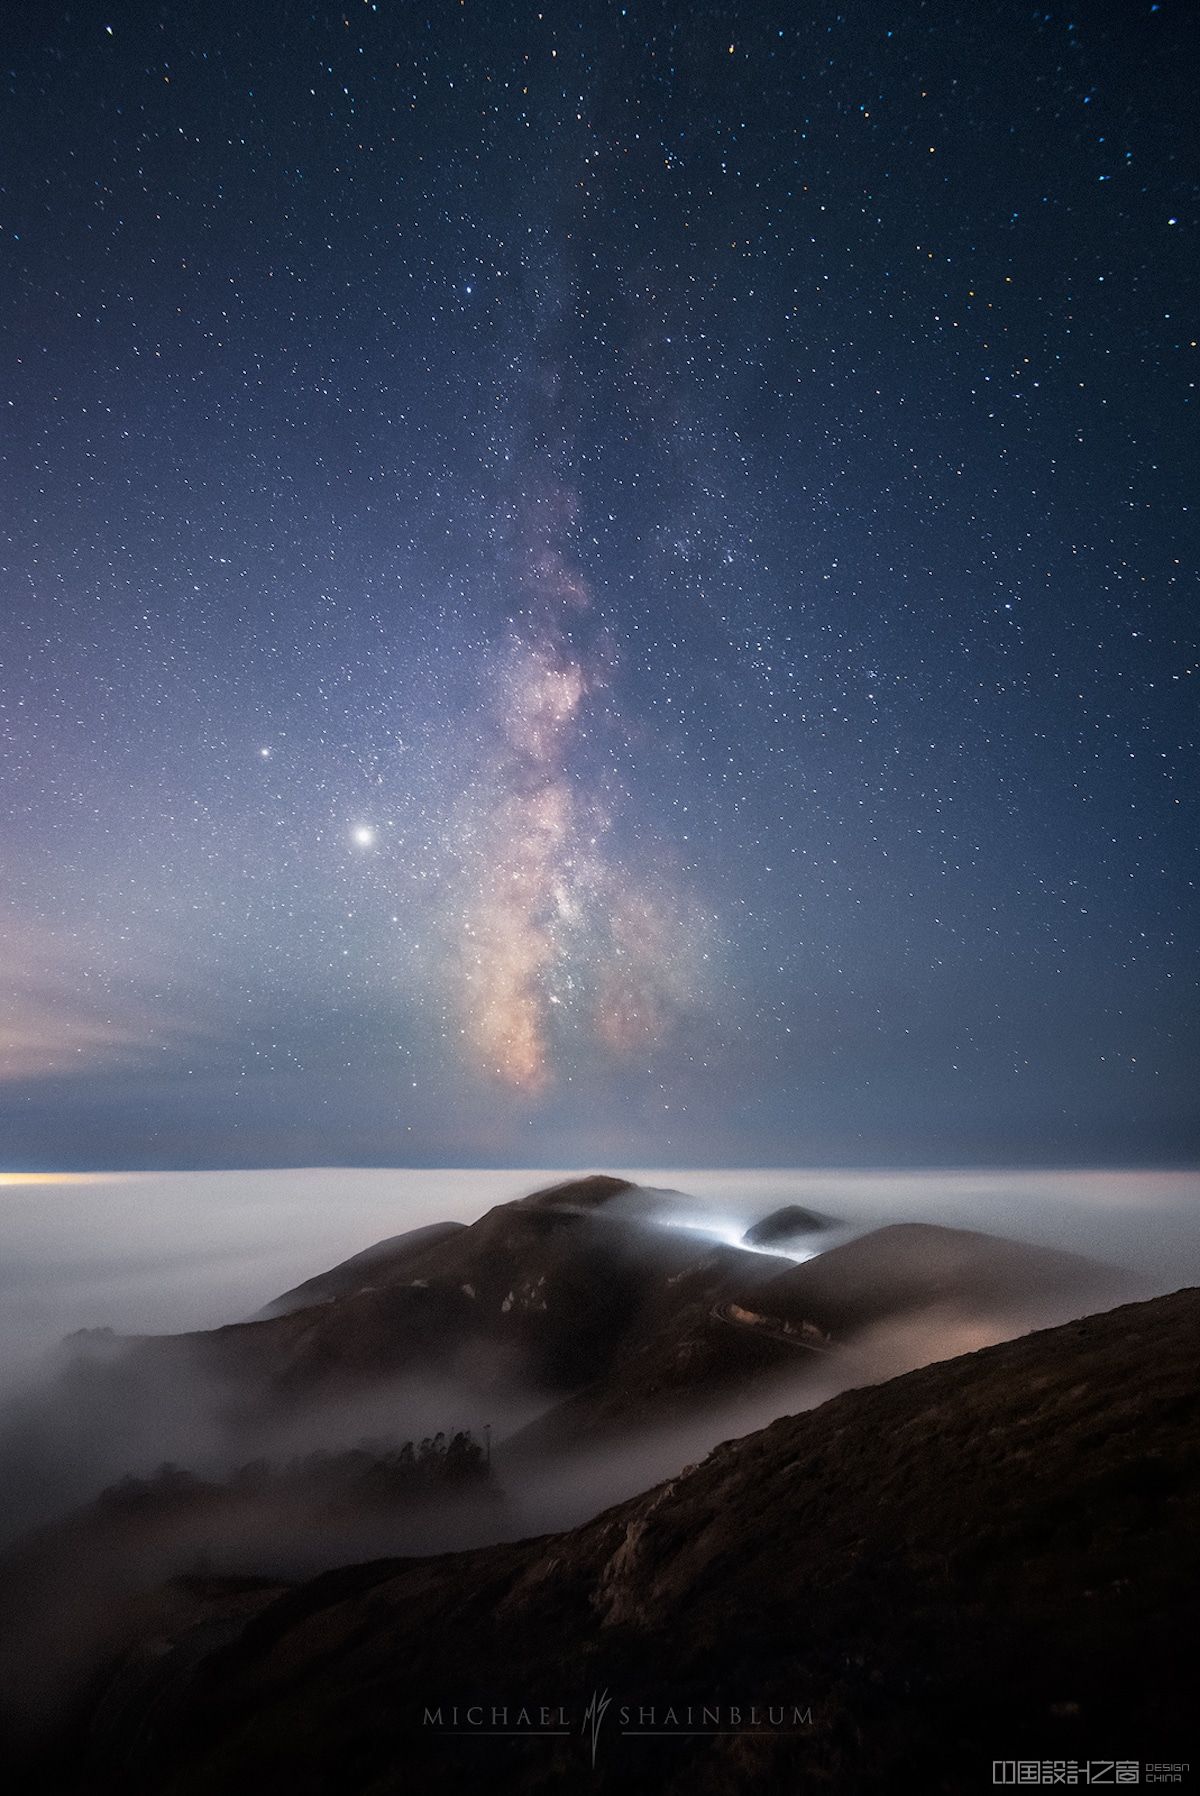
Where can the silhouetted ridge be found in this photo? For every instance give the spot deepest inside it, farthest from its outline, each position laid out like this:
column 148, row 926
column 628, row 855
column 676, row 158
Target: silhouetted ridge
column 915, row 1265
column 383, row 1263
column 588, row 1192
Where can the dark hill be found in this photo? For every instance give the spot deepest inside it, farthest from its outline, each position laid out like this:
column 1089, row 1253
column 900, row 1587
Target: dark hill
column 788, row 1223
column 504, row 1317
column 386, row 1263
column 722, row 1337
column 996, row 1557
column 540, row 1290
column 912, row 1265
column 563, row 1304
column 543, row 1290
column 586, row 1193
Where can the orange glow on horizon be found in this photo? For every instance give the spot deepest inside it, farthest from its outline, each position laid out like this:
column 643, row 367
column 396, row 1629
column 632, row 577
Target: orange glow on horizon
column 55, row 1178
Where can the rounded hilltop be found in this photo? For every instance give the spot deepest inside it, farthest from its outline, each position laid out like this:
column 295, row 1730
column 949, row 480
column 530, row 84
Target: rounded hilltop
column 588, row 1192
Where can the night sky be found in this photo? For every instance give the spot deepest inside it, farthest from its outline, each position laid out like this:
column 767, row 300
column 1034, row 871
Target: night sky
column 605, row 585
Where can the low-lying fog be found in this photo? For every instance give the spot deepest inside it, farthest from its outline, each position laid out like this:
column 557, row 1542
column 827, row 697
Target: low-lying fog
column 156, row 1252
column 175, row 1252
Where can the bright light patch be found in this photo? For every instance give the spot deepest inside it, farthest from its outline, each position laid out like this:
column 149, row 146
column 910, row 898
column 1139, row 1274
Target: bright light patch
column 731, row 1233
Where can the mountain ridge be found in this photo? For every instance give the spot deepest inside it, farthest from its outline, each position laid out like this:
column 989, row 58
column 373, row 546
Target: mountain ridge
column 955, row 1566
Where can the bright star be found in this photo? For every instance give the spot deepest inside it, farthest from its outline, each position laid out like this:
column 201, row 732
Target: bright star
column 364, row 836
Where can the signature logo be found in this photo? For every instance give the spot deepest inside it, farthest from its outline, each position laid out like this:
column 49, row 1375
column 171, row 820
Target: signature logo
column 593, row 1715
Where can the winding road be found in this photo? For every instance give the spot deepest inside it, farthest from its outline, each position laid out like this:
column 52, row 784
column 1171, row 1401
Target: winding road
column 772, row 1330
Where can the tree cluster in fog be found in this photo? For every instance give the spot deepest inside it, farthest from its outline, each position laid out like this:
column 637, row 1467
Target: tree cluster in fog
column 375, row 1474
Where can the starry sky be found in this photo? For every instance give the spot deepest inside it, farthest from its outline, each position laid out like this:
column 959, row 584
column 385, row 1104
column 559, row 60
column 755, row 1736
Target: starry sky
column 612, row 584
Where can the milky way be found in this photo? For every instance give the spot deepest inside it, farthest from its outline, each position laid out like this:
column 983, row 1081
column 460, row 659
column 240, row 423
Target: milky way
column 610, row 584
column 556, row 936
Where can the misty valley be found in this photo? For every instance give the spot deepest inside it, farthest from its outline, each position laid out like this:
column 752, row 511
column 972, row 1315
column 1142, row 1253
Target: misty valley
column 469, row 1390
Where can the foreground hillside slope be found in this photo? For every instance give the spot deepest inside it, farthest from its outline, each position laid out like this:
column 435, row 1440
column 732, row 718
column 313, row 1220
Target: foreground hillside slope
column 993, row 1557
